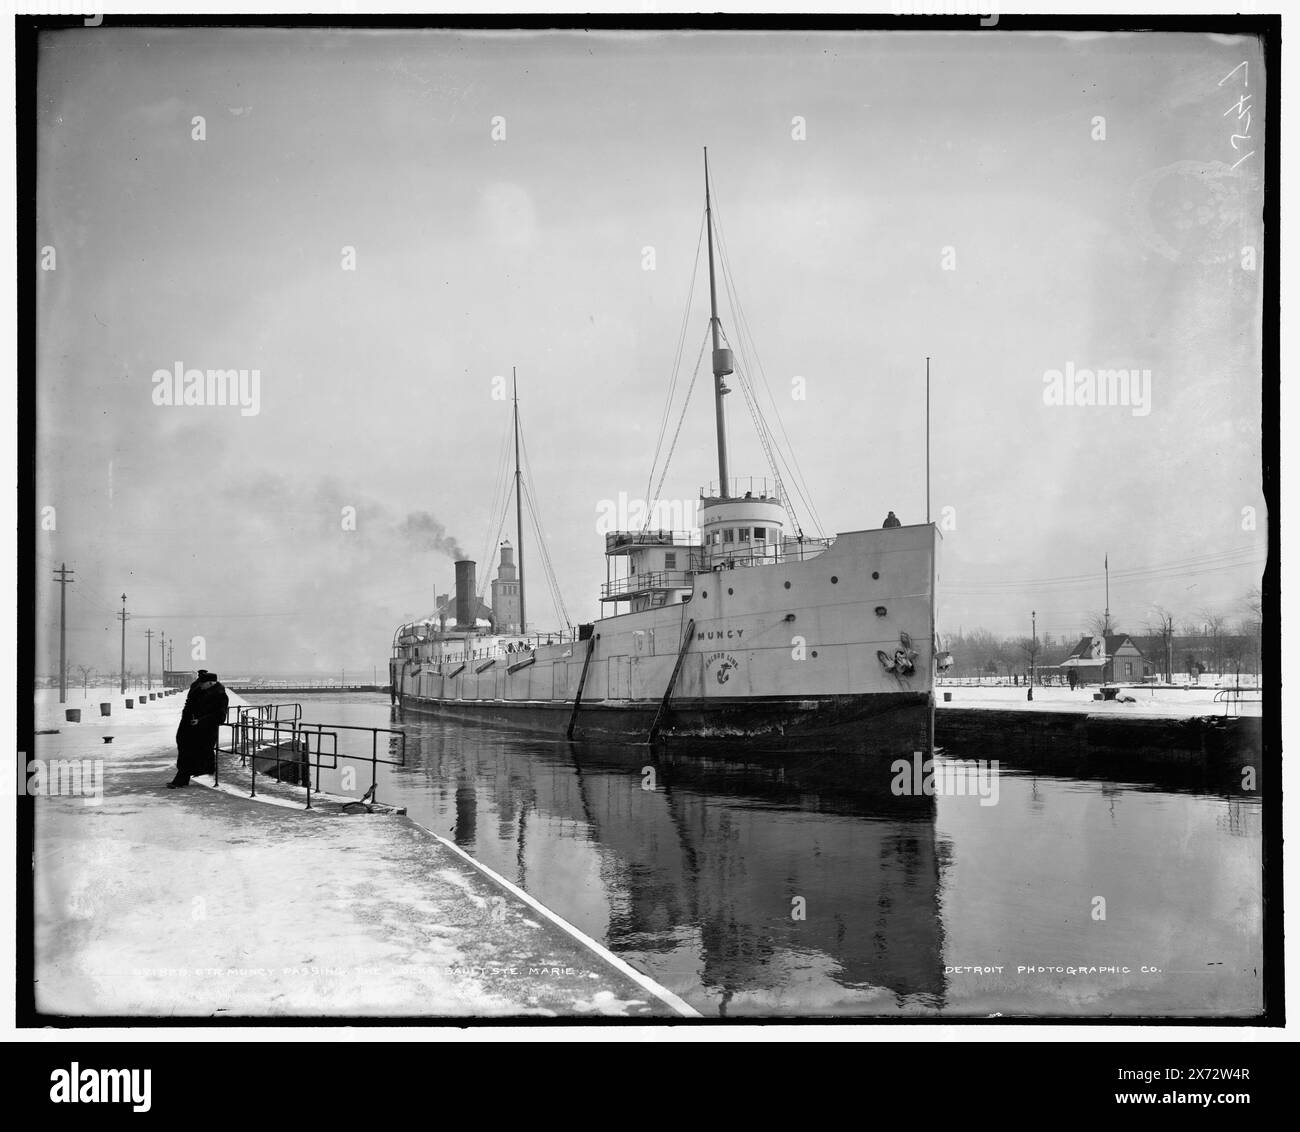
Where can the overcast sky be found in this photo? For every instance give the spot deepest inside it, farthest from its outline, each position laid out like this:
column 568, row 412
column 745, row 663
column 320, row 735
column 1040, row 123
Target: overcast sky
column 952, row 195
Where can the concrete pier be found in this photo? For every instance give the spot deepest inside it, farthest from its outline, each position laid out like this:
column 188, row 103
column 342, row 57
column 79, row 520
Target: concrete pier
column 1148, row 725
column 201, row 903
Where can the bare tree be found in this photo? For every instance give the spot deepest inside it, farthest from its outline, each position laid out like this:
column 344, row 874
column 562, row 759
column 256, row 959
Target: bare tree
column 1214, row 623
column 1252, row 625
column 1098, row 625
column 1160, row 625
column 1031, row 648
column 86, row 671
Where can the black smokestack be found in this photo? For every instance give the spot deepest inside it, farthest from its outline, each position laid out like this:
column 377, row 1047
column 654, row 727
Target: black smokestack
column 465, row 594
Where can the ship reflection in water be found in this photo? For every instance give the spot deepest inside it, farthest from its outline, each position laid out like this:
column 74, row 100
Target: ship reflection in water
column 801, row 886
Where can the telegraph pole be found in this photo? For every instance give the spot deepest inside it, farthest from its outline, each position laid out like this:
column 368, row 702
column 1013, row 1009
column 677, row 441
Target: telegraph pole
column 148, row 660
column 63, row 577
column 123, row 616
column 171, row 655
column 162, row 656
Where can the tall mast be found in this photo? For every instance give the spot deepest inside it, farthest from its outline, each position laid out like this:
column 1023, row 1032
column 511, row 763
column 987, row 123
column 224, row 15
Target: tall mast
column 519, row 505
column 721, row 358
column 1107, row 620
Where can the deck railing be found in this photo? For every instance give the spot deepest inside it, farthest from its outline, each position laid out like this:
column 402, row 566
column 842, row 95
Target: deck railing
column 615, row 540
column 644, row 583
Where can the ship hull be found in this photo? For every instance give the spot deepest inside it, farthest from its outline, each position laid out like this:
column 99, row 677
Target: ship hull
column 834, row 652
column 883, row 724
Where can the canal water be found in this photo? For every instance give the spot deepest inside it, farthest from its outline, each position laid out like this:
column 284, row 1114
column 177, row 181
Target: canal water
column 804, row 886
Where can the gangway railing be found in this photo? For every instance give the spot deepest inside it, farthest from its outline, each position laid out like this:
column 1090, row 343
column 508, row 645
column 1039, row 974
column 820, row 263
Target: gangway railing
column 277, row 731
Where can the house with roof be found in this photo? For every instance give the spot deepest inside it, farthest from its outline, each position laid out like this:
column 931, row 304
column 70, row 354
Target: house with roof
column 1104, row 660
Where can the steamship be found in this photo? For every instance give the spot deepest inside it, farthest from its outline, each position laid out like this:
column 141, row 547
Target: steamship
column 742, row 633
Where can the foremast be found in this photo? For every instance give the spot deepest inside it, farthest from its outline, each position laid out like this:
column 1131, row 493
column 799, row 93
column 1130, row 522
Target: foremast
column 722, row 361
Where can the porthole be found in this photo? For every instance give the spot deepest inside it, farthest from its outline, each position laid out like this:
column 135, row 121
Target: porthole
column 787, row 585
column 834, row 580
column 705, row 593
column 875, row 575
column 880, row 611
column 730, row 591
column 814, row 653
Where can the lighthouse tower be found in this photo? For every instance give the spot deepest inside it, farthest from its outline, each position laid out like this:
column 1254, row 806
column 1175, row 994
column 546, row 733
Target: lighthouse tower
column 505, row 592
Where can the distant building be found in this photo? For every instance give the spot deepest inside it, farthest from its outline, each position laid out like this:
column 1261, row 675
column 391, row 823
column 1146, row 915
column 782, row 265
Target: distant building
column 1102, row 661
column 505, row 592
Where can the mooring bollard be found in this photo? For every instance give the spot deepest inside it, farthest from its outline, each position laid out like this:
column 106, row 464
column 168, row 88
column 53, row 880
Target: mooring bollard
column 106, row 709
column 72, row 715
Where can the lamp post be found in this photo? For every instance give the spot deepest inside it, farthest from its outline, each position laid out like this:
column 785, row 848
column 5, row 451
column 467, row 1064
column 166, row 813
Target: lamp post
column 123, row 615
column 1033, row 654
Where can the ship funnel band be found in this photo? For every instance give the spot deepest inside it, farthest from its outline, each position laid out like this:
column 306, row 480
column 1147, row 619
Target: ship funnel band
column 722, row 362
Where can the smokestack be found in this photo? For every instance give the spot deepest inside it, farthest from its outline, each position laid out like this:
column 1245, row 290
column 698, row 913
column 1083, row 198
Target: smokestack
column 465, row 594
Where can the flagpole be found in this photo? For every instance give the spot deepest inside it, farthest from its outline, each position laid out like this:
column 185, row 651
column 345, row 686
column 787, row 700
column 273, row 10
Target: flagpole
column 1106, row 623
column 927, row 438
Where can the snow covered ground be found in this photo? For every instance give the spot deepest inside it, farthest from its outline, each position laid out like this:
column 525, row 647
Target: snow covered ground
column 1149, row 701
column 202, row 903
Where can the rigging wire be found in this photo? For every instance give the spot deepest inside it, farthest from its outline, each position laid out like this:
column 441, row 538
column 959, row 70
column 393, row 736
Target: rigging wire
column 680, row 420
column 557, row 599
column 530, row 495
column 501, row 494
column 677, row 358
column 763, row 441
column 747, row 345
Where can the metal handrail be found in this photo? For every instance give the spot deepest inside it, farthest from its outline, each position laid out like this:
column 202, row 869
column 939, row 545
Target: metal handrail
column 1232, row 696
column 658, row 537
column 766, row 490
column 255, row 732
column 652, row 580
column 497, row 651
column 306, row 730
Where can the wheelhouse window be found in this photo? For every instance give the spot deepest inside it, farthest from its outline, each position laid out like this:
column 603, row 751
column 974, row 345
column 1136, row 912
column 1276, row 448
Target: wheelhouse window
column 744, row 534
column 760, row 534
column 729, row 535
column 670, row 560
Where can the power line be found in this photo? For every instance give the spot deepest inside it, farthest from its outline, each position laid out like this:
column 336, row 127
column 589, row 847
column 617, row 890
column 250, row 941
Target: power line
column 1224, row 560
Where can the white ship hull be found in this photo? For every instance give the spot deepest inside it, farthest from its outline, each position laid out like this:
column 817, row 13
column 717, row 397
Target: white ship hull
column 787, row 653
